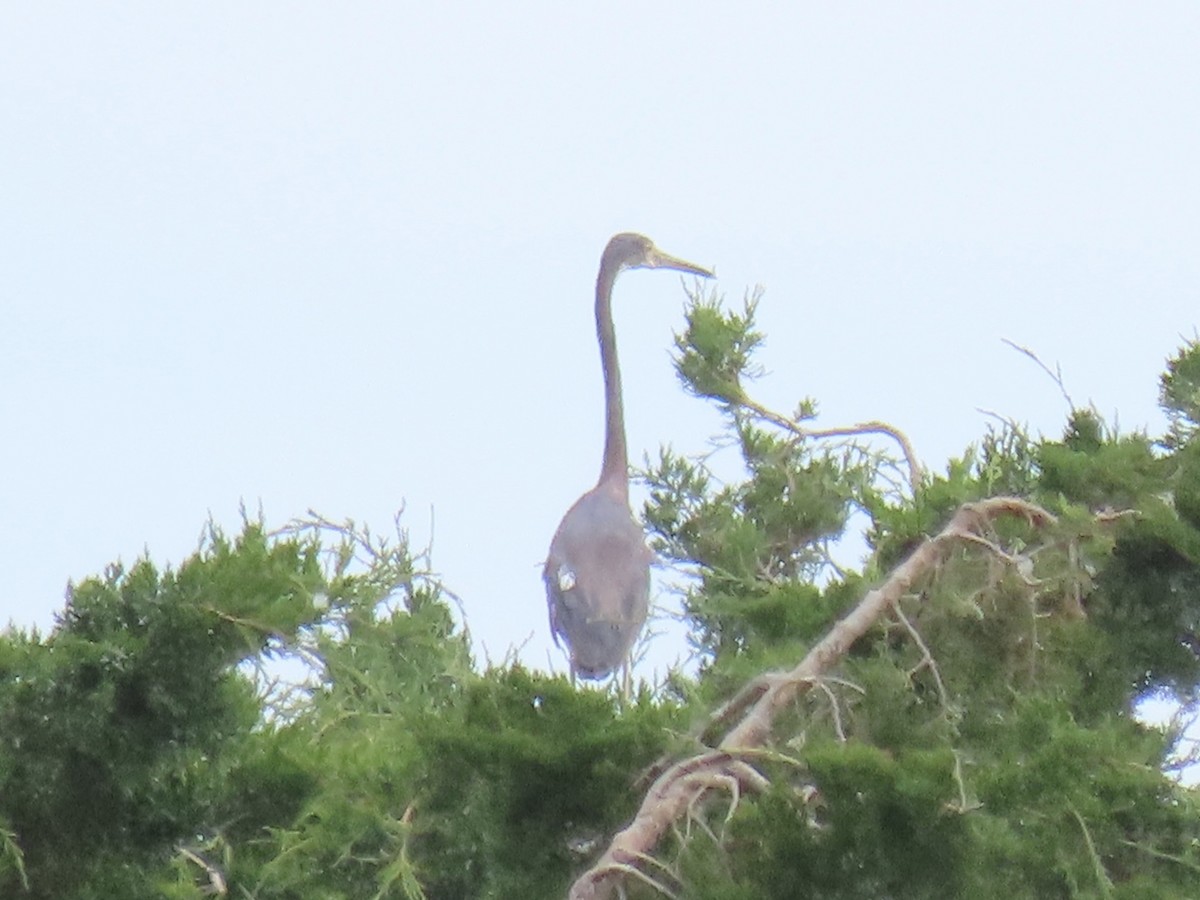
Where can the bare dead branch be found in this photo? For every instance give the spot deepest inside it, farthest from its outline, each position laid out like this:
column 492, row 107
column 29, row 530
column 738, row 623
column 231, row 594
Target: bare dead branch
column 634, row 872
column 735, row 705
column 927, row 660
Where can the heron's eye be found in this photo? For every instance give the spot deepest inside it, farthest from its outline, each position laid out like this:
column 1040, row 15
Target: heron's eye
column 566, row 579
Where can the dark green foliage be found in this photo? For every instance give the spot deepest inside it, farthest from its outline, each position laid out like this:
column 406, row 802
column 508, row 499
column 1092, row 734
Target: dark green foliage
column 117, row 727
column 1096, row 472
column 1149, row 602
column 1179, row 394
column 880, row 829
column 979, row 741
column 1007, row 763
column 1074, row 805
column 1149, row 592
column 527, row 769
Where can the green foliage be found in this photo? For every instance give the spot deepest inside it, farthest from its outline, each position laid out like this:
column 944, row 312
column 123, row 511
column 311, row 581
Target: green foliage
column 140, row 760
column 753, row 541
column 716, row 349
column 982, row 746
column 880, row 829
column 979, row 741
column 1089, row 468
column 529, row 769
column 117, row 725
column 1179, row 394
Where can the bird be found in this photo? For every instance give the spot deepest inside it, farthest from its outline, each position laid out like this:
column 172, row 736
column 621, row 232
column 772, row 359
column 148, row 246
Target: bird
column 597, row 572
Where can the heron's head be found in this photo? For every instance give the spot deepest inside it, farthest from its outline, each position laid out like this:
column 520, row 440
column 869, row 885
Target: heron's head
column 636, row 251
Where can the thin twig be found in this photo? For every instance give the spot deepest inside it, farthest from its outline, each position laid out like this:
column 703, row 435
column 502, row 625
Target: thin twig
column 927, row 660
column 1106, row 885
column 1056, row 375
column 634, row 872
column 964, row 805
column 837, row 713
column 915, row 471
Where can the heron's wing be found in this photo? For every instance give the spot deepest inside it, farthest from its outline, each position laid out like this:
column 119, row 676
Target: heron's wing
column 553, row 597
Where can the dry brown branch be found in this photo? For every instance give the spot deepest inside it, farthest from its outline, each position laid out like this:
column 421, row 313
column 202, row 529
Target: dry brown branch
column 963, row 805
column 835, row 709
column 1106, row 516
column 725, row 782
column 674, row 791
column 735, row 705
column 927, row 660
column 915, row 472
column 217, row 885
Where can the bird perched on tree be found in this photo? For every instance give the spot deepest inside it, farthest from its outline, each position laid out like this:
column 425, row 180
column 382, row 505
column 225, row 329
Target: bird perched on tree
column 598, row 572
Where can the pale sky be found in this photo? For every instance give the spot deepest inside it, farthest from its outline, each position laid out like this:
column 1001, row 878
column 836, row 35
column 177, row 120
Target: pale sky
column 342, row 256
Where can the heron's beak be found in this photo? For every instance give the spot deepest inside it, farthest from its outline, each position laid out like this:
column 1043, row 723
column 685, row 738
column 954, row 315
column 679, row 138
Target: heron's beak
column 667, row 261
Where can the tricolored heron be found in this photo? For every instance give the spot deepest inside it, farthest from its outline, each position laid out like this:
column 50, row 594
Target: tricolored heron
column 598, row 571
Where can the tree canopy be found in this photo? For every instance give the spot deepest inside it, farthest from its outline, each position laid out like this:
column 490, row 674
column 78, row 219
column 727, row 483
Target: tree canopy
column 295, row 713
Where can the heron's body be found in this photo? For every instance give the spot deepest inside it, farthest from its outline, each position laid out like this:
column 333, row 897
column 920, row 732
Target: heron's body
column 597, row 573
column 598, row 582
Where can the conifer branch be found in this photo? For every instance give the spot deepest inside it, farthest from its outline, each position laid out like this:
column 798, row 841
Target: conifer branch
column 675, row 791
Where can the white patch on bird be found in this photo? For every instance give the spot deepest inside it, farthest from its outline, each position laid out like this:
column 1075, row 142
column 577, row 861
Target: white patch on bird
column 566, row 579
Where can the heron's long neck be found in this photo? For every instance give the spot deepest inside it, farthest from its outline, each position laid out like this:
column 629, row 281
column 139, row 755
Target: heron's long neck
column 614, row 473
